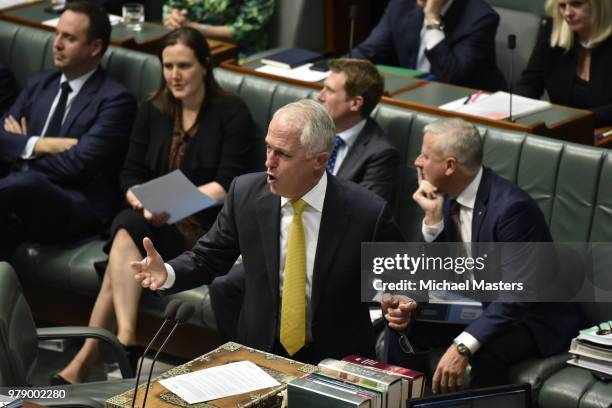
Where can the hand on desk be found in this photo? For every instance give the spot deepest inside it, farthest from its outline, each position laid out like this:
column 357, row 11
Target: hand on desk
column 449, row 372
column 151, row 271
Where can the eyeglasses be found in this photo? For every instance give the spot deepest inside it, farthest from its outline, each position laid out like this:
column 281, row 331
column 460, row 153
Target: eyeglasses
column 602, row 331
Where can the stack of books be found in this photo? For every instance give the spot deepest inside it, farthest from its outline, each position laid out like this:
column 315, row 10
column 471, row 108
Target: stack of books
column 356, row 382
column 592, row 349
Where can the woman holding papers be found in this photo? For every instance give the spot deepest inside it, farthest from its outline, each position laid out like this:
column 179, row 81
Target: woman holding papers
column 572, row 58
column 190, row 124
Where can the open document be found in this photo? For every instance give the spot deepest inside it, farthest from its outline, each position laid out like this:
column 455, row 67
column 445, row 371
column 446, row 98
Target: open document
column 174, row 194
column 219, row 382
column 496, row 106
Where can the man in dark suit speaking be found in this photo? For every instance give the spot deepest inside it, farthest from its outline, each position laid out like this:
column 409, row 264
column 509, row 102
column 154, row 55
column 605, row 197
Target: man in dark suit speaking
column 299, row 233
column 64, row 137
column 464, row 201
column 362, row 153
column 452, row 39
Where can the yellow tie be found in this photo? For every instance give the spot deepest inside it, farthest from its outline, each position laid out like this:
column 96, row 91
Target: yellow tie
column 293, row 308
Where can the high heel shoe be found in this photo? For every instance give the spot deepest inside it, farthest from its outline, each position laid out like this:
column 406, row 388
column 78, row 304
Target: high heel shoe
column 133, row 354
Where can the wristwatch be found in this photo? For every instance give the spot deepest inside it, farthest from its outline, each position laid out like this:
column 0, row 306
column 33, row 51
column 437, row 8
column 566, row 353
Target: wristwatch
column 462, row 349
column 436, row 25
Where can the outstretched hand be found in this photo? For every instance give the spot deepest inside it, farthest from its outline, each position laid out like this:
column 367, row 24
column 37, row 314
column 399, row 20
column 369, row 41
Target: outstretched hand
column 151, row 271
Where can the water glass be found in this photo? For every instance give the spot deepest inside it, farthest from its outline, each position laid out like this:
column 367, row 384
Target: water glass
column 133, row 16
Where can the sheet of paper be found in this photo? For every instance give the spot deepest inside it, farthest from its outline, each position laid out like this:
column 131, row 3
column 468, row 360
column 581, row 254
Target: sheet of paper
column 302, row 73
column 9, row 3
column 113, row 20
column 497, row 106
column 172, row 193
column 219, row 382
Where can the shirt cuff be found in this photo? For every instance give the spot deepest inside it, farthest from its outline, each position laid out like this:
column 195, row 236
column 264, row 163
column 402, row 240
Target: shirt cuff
column 469, row 341
column 171, row 277
column 28, row 151
column 431, row 38
column 431, row 232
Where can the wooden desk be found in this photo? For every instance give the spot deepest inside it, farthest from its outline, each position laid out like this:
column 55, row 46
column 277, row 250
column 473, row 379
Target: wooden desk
column 558, row 122
column 148, row 40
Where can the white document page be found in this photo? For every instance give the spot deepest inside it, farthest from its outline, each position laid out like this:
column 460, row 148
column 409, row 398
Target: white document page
column 219, row 382
column 497, row 106
column 172, row 193
column 302, row 73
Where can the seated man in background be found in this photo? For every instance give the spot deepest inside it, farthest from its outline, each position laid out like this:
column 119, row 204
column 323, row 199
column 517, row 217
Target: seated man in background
column 362, row 153
column 298, row 231
column 466, row 202
column 65, row 137
column 8, row 89
column 452, row 39
column 243, row 22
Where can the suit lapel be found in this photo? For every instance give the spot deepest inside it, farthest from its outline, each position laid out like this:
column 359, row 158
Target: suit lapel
column 268, row 218
column 85, row 96
column 334, row 219
column 480, row 205
column 413, row 36
column 36, row 120
column 356, row 153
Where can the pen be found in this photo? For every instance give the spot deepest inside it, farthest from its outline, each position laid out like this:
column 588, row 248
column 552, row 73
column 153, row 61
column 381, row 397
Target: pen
column 472, row 97
column 603, row 135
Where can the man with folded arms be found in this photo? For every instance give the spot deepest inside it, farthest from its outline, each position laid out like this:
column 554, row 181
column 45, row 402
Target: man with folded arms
column 452, row 39
column 299, row 232
column 64, row 138
column 466, row 202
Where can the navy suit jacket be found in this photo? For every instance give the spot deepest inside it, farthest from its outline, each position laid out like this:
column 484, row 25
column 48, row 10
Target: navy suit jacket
column 465, row 57
column 505, row 213
column 100, row 117
column 249, row 224
column 372, row 162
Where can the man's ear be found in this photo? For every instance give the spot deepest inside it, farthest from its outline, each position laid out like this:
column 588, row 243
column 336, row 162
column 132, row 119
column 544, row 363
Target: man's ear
column 357, row 103
column 451, row 164
column 321, row 160
column 96, row 45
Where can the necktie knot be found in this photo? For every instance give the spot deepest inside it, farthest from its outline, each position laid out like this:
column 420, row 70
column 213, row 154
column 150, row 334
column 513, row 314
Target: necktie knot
column 66, row 87
column 298, row 207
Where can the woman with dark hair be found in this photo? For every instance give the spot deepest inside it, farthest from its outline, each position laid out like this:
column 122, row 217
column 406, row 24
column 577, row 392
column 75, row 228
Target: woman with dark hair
column 572, row 57
column 190, row 124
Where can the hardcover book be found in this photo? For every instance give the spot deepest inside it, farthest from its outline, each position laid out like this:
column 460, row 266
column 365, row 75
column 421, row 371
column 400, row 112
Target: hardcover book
column 413, row 382
column 389, row 385
column 314, row 392
column 291, row 58
column 282, row 369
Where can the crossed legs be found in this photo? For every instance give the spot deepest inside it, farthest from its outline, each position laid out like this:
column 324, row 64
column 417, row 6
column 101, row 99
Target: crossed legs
column 116, row 306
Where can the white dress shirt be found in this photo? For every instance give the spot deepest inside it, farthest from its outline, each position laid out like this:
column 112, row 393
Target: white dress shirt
column 75, row 85
column 467, row 200
column 311, row 219
column 348, row 136
column 429, row 39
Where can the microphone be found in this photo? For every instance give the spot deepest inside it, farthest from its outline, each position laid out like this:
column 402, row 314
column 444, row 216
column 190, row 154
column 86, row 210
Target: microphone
column 511, row 47
column 171, row 311
column 352, row 18
column 182, row 315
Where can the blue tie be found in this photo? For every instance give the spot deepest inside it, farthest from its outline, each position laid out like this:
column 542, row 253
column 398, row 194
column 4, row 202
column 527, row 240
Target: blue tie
column 55, row 124
column 331, row 163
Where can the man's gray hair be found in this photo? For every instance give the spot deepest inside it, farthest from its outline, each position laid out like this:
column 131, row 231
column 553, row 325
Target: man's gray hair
column 318, row 129
column 458, row 138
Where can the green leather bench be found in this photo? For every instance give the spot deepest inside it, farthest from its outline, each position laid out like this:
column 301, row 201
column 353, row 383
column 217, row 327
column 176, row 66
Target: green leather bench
column 569, row 182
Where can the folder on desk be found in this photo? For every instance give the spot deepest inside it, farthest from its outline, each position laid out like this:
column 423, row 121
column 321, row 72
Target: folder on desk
column 291, row 58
